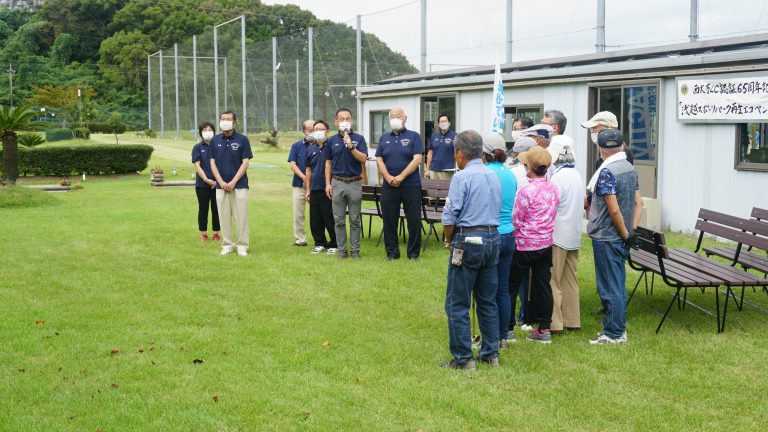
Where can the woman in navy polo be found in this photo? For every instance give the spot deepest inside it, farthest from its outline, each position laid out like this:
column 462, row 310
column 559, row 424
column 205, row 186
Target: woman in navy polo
column 205, row 185
column 440, row 162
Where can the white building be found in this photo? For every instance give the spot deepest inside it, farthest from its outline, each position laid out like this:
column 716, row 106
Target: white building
column 703, row 148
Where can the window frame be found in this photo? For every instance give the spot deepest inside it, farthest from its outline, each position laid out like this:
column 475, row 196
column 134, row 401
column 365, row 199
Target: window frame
column 745, row 166
column 372, row 144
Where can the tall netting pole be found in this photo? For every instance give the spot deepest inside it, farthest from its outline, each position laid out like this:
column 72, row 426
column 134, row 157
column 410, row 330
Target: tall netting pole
column 311, row 79
column 242, row 66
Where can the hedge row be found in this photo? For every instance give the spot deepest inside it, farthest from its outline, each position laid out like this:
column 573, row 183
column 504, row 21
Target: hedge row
column 93, row 159
column 67, row 134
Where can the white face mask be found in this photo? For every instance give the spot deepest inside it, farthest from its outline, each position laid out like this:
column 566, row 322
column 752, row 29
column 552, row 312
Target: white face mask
column 593, row 136
column 207, row 135
column 516, row 135
column 444, row 126
column 345, row 126
column 226, row 125
column 319, row 136
column 396, row 124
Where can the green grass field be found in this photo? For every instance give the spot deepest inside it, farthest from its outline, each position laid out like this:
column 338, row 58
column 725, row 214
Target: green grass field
column 116, row 317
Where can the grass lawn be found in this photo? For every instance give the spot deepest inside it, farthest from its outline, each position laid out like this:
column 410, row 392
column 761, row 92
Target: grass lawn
column 115, row 317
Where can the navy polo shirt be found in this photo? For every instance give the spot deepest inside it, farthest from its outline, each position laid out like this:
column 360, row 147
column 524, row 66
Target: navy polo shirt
column 298, row 154
column 343, row 164
column 202, row 152
column 398, row 149
column 442, row 150
column 316, row 161
column 229, row 152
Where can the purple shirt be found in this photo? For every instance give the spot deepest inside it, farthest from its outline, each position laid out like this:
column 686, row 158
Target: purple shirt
column 534, row 214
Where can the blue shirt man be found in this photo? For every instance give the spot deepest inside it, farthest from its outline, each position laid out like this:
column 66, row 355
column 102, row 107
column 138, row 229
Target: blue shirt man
column 345, row 154
column 398, row 157
column 316, row 161
column 231, row 153
column 297, row 158
column 298, row 154
column 470, row 220
column 440, row 161
column 343, row 163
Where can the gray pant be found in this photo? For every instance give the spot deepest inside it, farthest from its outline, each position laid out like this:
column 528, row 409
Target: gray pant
column 347, row 196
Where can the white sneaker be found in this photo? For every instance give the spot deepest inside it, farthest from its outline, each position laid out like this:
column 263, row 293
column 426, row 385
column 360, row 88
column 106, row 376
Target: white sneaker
column 332, row 251
column 242, row 251
column 318, row 249
column 226, row 250
column 602, row 339
column 526, row 327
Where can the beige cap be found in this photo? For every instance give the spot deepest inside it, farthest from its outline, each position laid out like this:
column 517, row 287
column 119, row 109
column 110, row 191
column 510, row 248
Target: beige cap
column 536, row 157
column 605, row 118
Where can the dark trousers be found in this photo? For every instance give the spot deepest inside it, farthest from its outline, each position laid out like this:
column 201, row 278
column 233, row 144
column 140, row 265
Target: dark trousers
column 391, row 198
column 539, row 263
column 321, row 219
column 206, row 197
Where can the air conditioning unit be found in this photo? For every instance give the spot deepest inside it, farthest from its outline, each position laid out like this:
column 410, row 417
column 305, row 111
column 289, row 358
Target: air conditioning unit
column 651, row 217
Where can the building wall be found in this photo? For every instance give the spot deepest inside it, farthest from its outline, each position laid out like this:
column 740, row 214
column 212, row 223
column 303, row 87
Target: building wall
column 696, row 169
column 695, row 160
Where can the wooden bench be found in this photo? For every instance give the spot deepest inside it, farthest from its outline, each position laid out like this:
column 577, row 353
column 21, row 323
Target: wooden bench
column 652, row 256
column 371, row 194
column 433, row 200
column 743, row 254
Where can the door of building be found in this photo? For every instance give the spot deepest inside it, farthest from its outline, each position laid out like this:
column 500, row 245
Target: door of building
column 636, row 106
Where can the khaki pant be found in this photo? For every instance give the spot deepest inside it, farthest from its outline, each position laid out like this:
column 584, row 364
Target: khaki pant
column 299, row 205
column 565, row 289
column 233, row 204
column 440, row 175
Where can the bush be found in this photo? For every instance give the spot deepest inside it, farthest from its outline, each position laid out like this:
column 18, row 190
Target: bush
column 59, row 134
column 92, row 159
column 30, row 139
column 104, row 127
column 82, row 133
column 149, row 133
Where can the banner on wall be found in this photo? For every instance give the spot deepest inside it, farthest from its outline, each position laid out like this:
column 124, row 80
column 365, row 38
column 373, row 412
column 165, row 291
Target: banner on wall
column 735, row 100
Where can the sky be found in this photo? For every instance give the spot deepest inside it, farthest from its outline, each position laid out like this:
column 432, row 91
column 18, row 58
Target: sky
column 467, row 33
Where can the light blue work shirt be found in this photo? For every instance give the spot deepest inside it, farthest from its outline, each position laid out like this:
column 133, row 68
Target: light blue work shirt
column 474, row 197
column 508, row 192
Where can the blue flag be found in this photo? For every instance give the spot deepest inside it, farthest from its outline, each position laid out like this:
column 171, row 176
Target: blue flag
column 498, row 103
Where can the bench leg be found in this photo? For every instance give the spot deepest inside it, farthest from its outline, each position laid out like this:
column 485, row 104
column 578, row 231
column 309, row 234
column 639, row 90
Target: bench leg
column 721, row 324
column 741, row 302
column 370, row 221
column 381, row 234
column 653, row 279
column 676, row 297
column 632, row 294
column 685, row 299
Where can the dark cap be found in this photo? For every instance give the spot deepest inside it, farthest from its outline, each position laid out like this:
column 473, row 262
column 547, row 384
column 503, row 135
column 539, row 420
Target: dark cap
column 610, row 138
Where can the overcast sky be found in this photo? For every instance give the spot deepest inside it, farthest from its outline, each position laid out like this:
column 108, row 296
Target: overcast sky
column 461, row 32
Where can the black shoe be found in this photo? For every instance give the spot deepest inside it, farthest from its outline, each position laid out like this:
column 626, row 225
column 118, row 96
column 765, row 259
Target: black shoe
column 413, row 258
column 393, row 257
column 342, row 255
column 453, row 364
column 355, row 255
column 492, row 361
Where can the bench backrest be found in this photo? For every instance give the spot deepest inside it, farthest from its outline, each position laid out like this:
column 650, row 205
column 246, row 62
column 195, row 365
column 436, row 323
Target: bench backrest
column 435, row 184
column 745, row 231
column 760, row 213
column 651, row 241
column 369, row 193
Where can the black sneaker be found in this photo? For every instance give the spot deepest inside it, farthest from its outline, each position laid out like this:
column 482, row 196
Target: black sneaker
column 492, row 361
column 453, row 364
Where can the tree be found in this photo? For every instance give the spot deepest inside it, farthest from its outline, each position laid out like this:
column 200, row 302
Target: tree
column 115, row 124
column 13, row 120
column 123, row 56
column 62, row 99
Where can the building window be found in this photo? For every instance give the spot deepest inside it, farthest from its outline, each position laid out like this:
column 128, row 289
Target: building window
column 751, row 146
column 533, row 112
column 379, row 121
column 433, row 107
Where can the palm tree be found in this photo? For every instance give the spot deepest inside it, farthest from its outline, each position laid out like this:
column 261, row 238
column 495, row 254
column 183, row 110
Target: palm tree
column 13, row 120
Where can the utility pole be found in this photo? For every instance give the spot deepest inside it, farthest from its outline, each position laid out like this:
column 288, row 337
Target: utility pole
column 10, row 81
column 693, row 36
column 600, row 43
column 423, row 36
column 509, row 31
